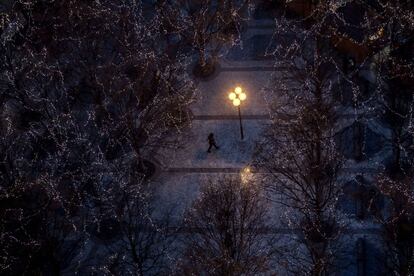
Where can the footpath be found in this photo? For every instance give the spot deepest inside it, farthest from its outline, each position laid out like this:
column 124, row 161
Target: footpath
column 184, row 169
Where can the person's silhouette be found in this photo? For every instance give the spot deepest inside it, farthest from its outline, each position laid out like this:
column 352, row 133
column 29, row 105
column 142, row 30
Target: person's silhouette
column 211, row 142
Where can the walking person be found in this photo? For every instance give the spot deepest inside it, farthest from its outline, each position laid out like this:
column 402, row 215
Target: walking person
column 211, row 142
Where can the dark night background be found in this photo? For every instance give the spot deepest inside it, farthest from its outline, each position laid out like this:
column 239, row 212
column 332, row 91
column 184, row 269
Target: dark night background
column 106, row 107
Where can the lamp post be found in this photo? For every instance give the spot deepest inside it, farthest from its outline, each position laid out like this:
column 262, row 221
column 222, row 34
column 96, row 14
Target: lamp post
column 237, row 97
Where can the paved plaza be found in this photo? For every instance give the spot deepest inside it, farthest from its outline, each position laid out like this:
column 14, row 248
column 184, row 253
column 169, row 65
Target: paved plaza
column 185, row 168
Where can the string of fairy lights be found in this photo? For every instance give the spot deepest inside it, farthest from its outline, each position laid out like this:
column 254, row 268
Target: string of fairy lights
column 292, row 177
column 61, row 160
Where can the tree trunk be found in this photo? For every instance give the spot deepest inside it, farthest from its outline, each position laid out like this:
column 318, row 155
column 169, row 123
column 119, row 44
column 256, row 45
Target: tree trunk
column 202, row 61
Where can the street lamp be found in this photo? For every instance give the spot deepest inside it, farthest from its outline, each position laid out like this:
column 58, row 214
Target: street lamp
column 237, row 97
column 246, row 175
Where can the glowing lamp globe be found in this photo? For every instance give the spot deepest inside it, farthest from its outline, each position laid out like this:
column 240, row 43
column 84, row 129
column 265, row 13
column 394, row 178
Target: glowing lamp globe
column 236, row 102
column 238, row 90
column 232, row 96
column 242, row 96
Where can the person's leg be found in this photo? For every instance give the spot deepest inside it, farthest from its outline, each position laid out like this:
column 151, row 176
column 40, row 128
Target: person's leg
column 209, row 148
column 216, row 146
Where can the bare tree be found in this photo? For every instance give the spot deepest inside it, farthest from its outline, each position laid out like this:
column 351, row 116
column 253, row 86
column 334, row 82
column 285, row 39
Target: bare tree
column 300, row 154
column 144, row 245
column 393, row 65
column 84, row 88
column 391, row 26
column 298, row 149
column 207, row 25
column 396, row 219
column 228, row 231
column 304, row 114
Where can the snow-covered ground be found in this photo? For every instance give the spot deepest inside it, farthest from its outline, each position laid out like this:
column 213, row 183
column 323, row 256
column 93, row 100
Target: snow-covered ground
column 184, row 169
